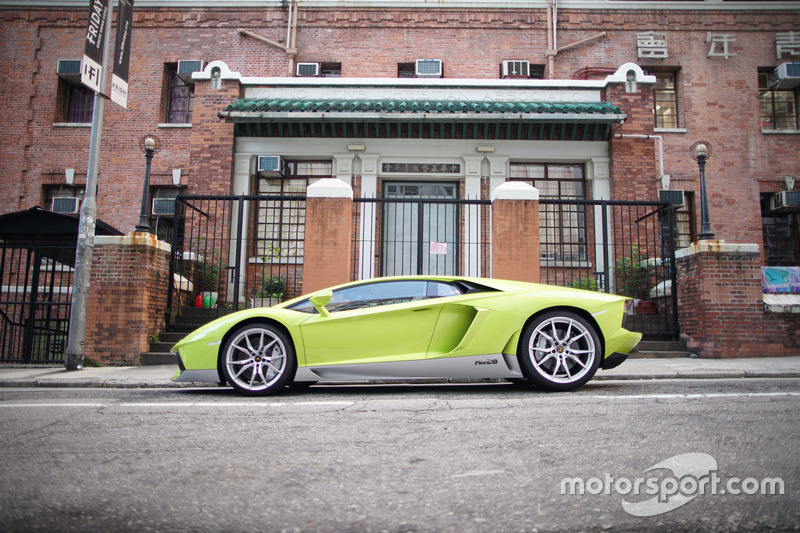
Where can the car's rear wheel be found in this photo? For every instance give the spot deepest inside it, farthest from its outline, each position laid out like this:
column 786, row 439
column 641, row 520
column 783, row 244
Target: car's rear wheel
column 559, row 351
column 258, row 359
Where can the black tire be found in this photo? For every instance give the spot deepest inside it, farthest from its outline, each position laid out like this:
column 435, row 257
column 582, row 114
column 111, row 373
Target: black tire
column 258, row 359
column 559, row 351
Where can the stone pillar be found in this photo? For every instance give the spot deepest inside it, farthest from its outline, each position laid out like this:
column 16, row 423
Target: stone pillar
column 328, row 240
column 515, row 232
column 127, row 297
column 721, row 304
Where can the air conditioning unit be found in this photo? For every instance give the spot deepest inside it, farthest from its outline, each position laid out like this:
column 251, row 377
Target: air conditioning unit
column 428, row 68
column 785, row 201
column 786, row 76
column 163, row 207
column 673, row 197
column 69, row 69
column 516, row 69
column 271, row 166
column 65, row 204
column 307, row 70
column 187, row 67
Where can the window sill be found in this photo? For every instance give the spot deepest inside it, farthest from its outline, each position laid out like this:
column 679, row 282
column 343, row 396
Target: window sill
column 281, row 261
column 170, row 125
column 671, row 130
column 72, row 124
column 549, row 263
column 780, row 132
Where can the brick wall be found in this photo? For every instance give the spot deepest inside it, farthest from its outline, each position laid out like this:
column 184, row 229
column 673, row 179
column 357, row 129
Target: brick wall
column 718, row 98
column 127, row 297
column 720, row 305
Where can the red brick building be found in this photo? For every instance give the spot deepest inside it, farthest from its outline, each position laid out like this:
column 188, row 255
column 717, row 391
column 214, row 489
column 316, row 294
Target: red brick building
column 585, row 100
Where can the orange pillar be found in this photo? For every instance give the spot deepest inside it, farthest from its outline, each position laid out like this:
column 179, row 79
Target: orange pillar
column 515, row 232
column 328, row 239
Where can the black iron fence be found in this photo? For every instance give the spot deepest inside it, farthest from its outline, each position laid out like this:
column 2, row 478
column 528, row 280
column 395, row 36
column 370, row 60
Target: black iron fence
column 617, row 247
column 235, row 252
column 35, row 302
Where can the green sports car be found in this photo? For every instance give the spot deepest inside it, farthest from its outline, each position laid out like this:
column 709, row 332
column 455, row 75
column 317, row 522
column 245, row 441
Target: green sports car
column 406, row 328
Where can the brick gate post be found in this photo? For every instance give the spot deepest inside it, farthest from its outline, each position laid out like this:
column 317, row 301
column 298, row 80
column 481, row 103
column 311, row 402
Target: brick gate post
column 515, row 232
column 127, row 297
column 328, row 240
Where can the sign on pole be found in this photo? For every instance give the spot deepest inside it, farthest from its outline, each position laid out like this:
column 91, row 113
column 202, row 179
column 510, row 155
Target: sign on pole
column 122, row 54
column 93, row 56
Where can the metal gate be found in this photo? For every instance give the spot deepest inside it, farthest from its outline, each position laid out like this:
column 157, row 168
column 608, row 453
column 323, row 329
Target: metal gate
column 35, row 302
column 235, row 252
column 618, row 247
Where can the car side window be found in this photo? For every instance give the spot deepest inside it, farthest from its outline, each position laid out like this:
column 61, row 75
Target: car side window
column 440, row 289
column 377, row 294
column 370, row 295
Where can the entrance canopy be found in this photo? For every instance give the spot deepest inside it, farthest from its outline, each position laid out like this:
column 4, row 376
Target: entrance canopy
column 425, row 108
column 423, row 119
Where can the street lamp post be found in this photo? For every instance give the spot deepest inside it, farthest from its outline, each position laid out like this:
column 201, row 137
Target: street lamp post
column 700, row 152
column 149, row 145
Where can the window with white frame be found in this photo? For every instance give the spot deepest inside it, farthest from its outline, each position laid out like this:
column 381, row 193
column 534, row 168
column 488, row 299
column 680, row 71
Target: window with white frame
column 280, row 219
column 778, row 107
column 665, row 100
column 562, row 227
column 179, row 97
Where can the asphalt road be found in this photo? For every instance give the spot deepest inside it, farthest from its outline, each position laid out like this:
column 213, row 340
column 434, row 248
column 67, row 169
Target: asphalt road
column 424, row 458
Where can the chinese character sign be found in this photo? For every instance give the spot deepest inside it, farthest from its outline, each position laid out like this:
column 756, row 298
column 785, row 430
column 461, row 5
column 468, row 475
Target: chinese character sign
column 788, row 42
column 652, row 44
column 719, row 44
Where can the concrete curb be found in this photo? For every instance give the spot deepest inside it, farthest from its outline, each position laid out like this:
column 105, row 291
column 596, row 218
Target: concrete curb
column 142, row 377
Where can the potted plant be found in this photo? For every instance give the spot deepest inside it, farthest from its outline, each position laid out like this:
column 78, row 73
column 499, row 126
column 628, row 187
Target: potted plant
column 632, row 277
column 270, row 292
column 587, row 284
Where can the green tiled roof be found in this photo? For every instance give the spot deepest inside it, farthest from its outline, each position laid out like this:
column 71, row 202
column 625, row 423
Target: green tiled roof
column 420, row 106
column 423, row 119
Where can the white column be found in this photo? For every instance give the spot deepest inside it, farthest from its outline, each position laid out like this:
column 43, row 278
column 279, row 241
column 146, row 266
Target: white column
column 367, row 222
column 498, row 171
column 242, row 164
column 343, row 167
column 600, row 176
column 472, row 215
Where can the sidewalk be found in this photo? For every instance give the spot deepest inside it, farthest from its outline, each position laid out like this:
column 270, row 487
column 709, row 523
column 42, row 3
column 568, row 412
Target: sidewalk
column 159, row 376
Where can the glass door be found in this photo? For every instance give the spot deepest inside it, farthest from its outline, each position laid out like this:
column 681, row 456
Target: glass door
column 419, row 233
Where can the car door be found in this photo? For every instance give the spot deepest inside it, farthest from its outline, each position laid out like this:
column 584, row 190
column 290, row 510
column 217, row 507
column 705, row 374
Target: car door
column 373, row 322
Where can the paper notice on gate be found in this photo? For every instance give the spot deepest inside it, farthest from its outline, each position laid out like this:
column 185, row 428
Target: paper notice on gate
column 438, row 248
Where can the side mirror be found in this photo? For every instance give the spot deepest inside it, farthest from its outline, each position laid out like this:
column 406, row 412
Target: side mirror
column 319, row 301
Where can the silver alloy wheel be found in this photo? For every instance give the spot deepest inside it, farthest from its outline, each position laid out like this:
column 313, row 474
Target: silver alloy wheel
column 255, row 359
column 562, row 349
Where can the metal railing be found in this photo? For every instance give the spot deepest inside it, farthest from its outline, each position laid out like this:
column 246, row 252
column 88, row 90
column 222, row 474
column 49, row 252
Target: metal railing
column 35, row 302
column 235, row 252
column 618, row 247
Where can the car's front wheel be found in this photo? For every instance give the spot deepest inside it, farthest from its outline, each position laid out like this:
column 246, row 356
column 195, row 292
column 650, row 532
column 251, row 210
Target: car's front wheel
column 258, row 359
column 559, row 351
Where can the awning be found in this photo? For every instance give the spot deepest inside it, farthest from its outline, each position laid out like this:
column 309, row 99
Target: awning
column 425, row 119
column 56, row 233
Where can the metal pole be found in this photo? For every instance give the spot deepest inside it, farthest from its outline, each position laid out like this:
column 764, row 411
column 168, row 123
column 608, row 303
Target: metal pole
column 144, row 219
column 86, row 228
column 705, row 229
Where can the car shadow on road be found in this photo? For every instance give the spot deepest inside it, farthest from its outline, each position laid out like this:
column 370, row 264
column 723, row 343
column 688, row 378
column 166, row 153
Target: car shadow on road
column 407, row 388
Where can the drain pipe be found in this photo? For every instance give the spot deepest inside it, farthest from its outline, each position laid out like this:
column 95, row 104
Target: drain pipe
column 659, row 145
